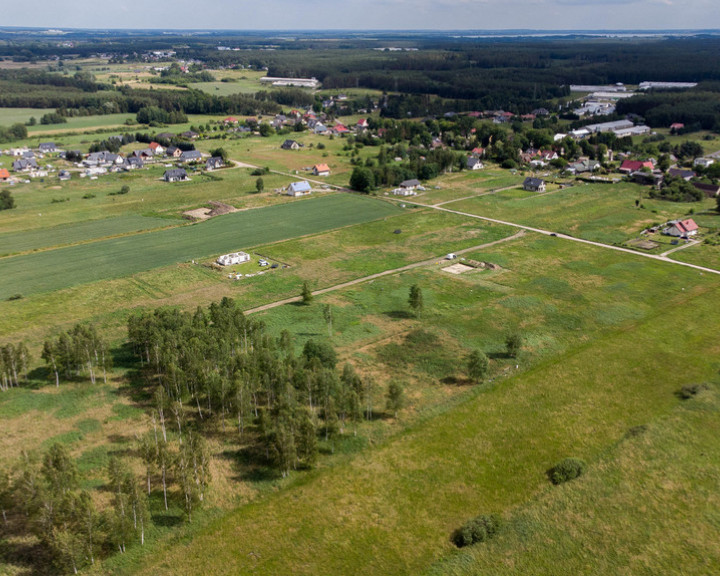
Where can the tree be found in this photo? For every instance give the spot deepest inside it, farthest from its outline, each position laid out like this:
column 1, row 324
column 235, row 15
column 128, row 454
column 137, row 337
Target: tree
column 395, row 397
column 477, row 365
column 328, row 315
column 415, row 299
column 259, row 185
column 220, row 153
column 307, row 295
column 362, row 179
column 7, row 202
column 513, row 343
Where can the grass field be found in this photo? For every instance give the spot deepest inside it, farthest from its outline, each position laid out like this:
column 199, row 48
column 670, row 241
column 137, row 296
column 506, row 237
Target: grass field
column 115, row 258
column 597, row 212
column 14, row 242
column 391, row 510
column 10, row 116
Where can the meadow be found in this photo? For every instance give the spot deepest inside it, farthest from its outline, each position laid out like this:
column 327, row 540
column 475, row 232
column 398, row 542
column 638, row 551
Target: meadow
column 114, row 258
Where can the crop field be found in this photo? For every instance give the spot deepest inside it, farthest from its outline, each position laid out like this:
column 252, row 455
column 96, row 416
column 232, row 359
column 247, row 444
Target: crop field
column 115, row 258
column 597, row 212
column 15, row 242
column 392, row 509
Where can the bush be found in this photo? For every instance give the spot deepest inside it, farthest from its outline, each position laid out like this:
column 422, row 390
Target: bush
column 476, row 530
column 7, row 202
column 88, row 196
column 690, row 390
column 567, row 469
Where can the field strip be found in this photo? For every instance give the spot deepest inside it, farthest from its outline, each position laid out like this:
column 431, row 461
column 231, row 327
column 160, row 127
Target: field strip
column 661, row 257
column 691, row 243
column 380, row 275
column 484, row 193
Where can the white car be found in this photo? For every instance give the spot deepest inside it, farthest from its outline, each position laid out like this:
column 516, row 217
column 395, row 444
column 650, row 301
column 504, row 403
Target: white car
column 263, row 262
column 450, row 256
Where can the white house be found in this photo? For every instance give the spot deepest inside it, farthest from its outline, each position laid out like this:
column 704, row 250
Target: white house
column 234, row 258
column 301, row 188
column 703, row 162
column 474, row 163
column 681, row 228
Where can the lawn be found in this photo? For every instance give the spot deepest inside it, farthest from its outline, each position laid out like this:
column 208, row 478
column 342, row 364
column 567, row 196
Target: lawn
column 10, row 116
column 115, row 258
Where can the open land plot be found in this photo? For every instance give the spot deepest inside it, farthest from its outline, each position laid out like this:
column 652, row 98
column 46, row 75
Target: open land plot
column 467, row 183
column 602, row 213
column 115, row 258
column 10, row 116
column 80, row 123
column 659, row 485
column 48, row 203
column 391, row 510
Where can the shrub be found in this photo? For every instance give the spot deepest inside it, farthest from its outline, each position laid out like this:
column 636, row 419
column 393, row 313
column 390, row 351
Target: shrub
column 690, row 390
column 567, row 469
column 88, row 196
column 478, row 529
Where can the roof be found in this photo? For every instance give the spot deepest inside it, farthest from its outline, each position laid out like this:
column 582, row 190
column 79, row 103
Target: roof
column 681, row 173
column 684, row 226
column 4, row 173
column 321, row 168
column 175, row 173
column 634, row 165
column 154, row 145
column 410, row 183
column 302, row 186
column 191, row 155
column 533, row 182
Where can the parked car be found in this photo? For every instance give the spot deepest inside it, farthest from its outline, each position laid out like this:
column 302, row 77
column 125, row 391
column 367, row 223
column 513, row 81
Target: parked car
column 263, row 262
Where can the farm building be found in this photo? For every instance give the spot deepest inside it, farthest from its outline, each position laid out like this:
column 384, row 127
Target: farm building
column 321, row 170
column 175, row 175
column 234, row 258
column 681, row 228
column 298, row 188
column 534, row 185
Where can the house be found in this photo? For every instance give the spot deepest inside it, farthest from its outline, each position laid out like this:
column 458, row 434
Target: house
column 156, row 148
column 24, row 165
column 47, row 147
column 191, row 156
column 234, row 258
column 145, row 154
column 230, row 120
column 583, row 166
column 320, row 128
column 362, row 123
column 173, row 152
column 674, row 127
column 710, row 190
column 681, row 228
column 190, row 135
column 404, row 192
column 340, row 129
column 299, row 188
column 133, row 162
column 290, row 145
column 686, row 175
column 703, row 162
column 321, row 170
column 629, row 166
column 214, row 163
column 175, row 175
column 479, row 152
column 474, row 163
column 410, row 184
column 165, row 136
column 4, row 175
column 534, row 184
column 103, row 158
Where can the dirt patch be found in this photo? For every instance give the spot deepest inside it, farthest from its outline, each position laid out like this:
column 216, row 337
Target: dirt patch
column 643, row 244
column 457, row 268
column 215, row 209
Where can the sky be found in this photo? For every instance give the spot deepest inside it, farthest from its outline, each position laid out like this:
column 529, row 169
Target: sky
column 368, row 14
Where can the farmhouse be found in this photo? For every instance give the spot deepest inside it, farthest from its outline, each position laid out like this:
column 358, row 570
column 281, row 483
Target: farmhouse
column 299, row 188
column 681, row 228
column 234, row 258
column 534, row 184
column 321, row 170
column 175, row 175
column 290, row 145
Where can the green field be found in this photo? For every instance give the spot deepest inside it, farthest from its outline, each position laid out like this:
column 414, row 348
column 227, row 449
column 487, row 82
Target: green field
column 391, row 509
column 115, row 258
column 603, row 213
column 14, row 242
column 10, row 116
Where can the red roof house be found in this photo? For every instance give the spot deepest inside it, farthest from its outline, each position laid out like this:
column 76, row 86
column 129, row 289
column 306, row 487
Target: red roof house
column 634, row 165
column 681, row 228
column 4, row 175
